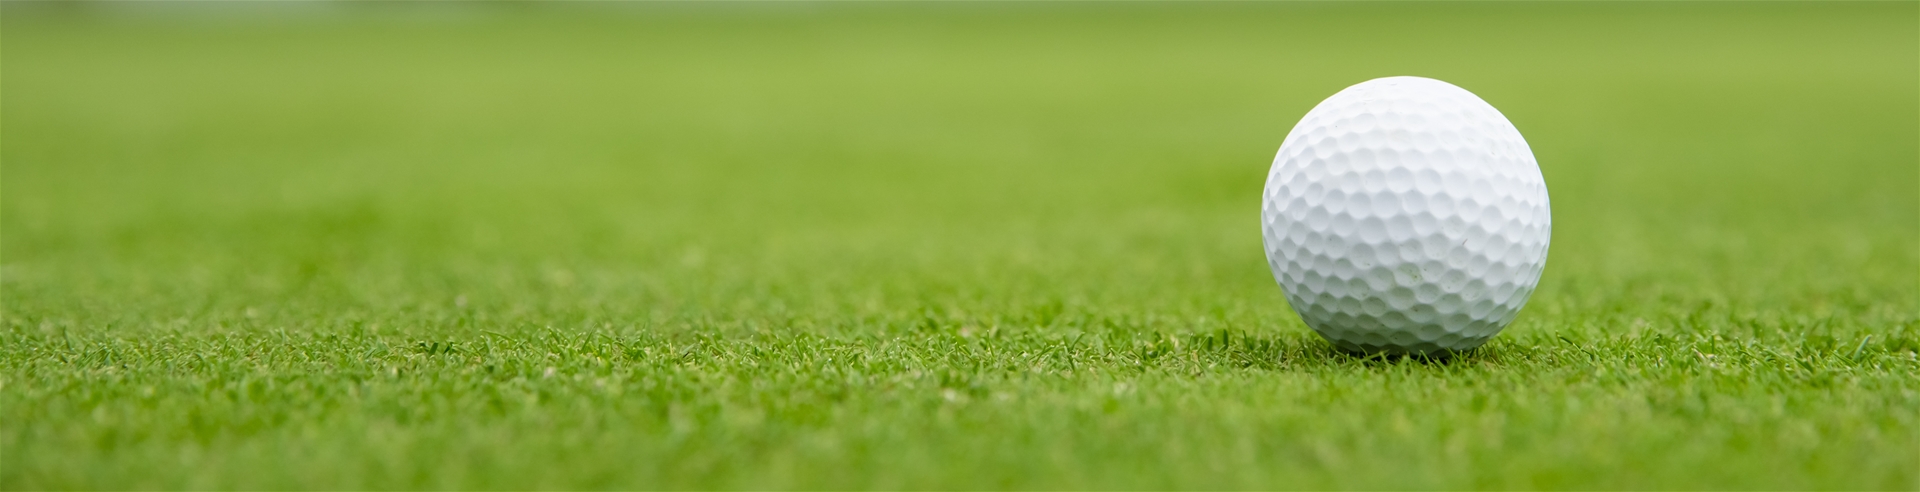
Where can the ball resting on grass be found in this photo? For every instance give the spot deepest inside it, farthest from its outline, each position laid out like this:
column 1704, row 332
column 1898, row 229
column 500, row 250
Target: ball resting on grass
column 1405, row 215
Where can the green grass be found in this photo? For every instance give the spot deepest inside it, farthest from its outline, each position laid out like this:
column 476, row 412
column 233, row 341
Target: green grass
column 925, row 246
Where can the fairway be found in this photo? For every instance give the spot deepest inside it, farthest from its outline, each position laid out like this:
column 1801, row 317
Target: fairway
column 946, row 245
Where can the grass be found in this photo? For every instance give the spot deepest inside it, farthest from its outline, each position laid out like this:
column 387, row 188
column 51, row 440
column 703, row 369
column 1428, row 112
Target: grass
column 925, row 246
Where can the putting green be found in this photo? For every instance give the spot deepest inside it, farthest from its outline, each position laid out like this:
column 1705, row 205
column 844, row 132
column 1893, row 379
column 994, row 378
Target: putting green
column 1007, row 245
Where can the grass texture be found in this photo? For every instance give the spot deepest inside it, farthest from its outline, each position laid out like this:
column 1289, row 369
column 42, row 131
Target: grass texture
column 771, row 246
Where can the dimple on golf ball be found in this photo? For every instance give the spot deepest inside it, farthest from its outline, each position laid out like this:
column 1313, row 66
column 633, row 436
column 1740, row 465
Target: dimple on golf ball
column 1405, row 215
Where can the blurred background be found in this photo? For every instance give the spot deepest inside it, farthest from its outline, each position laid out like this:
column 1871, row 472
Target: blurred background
column 282, row 173
column 758, row 140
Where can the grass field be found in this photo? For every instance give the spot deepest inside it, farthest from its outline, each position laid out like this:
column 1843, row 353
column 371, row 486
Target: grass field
column 777, row 246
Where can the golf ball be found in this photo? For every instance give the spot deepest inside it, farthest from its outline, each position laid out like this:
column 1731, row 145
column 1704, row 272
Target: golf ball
column 1405, row 215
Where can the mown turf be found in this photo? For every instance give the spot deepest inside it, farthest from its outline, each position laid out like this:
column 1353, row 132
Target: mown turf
column 925, row 246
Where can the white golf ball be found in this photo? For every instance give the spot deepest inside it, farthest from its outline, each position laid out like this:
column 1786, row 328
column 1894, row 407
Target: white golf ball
column 1405, row 215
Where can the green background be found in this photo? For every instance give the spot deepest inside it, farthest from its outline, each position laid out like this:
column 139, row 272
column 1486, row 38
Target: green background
column 925, row 246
